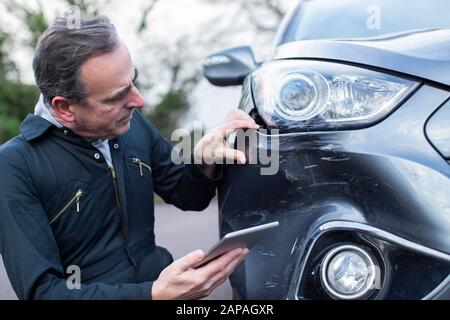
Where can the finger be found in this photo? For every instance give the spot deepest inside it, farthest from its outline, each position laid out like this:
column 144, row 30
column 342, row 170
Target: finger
column 216, row 135
column 232, row 154
column 188, row 261
column 231, row 126
column 238, row 114
column 219, row 264
column 212, row 287
column 220, row 277
column 225, row 129
column 231, row 139
column 242, row 124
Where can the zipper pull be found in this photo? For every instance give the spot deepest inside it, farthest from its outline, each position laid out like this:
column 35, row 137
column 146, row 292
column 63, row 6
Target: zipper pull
column 113, row 171
column 78, row 196
column 136, row 160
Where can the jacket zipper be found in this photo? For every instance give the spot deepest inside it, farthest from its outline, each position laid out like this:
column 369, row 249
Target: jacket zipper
column 76, row 198
column 116, row 189
column 142, row 164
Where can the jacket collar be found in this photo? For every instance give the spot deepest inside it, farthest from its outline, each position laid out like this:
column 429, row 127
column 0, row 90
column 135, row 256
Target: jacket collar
column 42, row 110
column 34, row 127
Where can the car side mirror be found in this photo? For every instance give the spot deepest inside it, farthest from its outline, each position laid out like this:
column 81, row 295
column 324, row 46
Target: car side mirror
column 229, row 67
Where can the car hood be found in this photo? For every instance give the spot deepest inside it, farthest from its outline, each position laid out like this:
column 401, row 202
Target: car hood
column 421, row 53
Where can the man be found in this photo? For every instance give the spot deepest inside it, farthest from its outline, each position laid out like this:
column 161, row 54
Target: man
column 76, row 187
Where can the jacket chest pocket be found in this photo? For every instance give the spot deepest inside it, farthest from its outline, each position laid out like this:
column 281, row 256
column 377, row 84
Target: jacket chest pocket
column 143, row 166
column 69, row 200
column 75, row 200
column 139, row 166
column 68, row 208
column 139, row 185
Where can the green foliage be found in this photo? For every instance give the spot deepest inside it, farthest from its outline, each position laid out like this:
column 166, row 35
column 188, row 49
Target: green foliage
column 34, row 20
column 9, row 128
column 168, row 111
column 37, row 24
column 16, row 99
column 7, row 67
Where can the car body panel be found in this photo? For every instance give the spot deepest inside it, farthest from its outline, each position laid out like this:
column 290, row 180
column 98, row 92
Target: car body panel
column 438, row 130
column 424, row 53
column 382, row 186
column 387, row 176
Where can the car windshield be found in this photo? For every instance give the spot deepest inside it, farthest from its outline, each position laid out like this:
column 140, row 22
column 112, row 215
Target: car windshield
column 355, row 19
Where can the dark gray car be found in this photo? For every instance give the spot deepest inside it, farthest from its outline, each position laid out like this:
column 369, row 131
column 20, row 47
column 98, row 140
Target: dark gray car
column 356, row 107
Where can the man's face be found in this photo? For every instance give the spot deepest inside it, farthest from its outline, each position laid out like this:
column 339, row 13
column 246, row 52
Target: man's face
column 111, row 98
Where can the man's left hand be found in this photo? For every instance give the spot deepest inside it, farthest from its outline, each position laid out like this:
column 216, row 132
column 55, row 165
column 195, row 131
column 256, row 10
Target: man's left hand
column 214, row 148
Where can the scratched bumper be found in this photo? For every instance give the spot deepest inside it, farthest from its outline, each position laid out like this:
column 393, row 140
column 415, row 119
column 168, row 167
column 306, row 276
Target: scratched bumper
column 387, row 177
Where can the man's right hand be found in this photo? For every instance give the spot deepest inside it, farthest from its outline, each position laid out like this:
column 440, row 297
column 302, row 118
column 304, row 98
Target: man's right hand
column 180, row 281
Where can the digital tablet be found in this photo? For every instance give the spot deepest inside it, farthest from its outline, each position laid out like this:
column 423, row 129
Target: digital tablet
column 244, row 238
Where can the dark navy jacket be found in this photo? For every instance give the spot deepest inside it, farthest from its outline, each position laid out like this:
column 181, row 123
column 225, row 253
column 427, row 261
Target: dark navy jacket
column 61, row 205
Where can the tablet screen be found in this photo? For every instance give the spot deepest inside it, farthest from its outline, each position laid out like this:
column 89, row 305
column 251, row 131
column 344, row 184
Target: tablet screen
column 245, row 238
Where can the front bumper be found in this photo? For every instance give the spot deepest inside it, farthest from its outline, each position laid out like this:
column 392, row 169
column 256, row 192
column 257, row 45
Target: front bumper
column 387, row 177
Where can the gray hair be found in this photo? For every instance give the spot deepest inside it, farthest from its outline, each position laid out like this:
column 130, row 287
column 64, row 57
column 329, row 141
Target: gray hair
column 62, row 50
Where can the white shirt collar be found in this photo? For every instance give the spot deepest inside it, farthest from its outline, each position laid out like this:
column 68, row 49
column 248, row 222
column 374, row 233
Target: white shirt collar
column 43, row 111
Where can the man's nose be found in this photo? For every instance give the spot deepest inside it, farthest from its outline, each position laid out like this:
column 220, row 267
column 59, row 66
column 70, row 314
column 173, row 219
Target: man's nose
column 137, row 100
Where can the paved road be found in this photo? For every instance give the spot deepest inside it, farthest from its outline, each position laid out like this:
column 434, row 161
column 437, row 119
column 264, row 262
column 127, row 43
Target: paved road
column 180, row 232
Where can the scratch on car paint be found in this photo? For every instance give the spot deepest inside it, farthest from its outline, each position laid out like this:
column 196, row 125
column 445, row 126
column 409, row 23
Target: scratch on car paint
column 388, row 185
column 262, row 214
column 267, row 253
column 311, row 166
column 328, row 147
column 290, row 176
column 328, row 184
column 270, row 284
column 334, row 159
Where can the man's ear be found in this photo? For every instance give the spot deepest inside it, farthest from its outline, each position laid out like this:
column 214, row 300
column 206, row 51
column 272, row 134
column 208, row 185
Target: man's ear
column 63, row 110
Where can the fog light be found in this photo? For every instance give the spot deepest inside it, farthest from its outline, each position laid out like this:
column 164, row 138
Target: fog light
column 348, row 272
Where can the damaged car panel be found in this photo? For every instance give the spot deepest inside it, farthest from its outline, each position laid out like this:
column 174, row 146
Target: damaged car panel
column 361, row 188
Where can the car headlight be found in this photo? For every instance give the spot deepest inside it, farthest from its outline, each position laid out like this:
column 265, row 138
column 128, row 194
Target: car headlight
column 348, row 272
column 305, row 94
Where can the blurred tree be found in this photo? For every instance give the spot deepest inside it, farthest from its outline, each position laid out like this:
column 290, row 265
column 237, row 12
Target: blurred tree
column 173, row 99
column 168, row 73
column 169, row 66
column 7, row 66
column 263, row 15
column 145, row 13
column 33, row 18
column 15, row 97
column 171, row 104
column 36, row 21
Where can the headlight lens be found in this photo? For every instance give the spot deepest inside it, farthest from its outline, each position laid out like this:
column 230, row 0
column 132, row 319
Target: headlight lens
column 311, row 94
column 348, row 272
column 301, row 96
